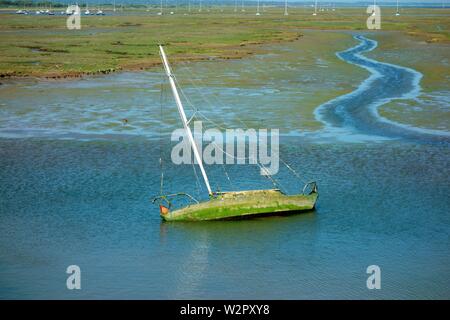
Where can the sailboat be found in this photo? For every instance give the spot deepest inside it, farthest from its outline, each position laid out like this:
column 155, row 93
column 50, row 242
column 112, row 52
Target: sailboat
column 233, row 204
column 315, row 9
column 398, row 12
column 24, row 11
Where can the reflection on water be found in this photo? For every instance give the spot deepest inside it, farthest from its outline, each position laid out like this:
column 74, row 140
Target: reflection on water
column 238, row 240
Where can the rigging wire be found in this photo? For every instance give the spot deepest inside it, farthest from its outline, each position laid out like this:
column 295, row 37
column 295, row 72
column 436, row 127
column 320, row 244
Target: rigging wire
column 277, row 184
column 228, row 177
column 195, row 110
column 238, row 118
column 197, row 180
column 199, row 188
column 160, row 137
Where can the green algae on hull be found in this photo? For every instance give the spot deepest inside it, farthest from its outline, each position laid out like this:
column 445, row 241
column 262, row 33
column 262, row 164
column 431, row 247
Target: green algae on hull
column 244, row 204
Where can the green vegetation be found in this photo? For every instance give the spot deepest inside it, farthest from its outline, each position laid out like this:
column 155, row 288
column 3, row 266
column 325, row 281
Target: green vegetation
column 243, row 204
column 42, row 46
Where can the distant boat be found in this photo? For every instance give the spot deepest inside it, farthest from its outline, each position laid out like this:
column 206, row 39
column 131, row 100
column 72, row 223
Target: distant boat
column 49, row 11
column 315, row 9
column 233, row 204
column 99, row 13
column 398, row 12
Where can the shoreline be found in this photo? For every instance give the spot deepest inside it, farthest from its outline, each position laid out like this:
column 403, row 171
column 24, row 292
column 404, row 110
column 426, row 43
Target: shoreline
column 253, row 46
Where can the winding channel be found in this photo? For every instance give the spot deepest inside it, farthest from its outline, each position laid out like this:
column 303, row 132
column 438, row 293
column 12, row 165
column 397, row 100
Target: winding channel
column 358, row 110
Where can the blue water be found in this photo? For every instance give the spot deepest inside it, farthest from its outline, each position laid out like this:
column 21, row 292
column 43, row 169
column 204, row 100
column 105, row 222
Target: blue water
column 80, row 194
column 87, row 203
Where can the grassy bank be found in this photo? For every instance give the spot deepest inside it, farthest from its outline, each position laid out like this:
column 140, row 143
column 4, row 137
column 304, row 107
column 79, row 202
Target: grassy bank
column 41, row 46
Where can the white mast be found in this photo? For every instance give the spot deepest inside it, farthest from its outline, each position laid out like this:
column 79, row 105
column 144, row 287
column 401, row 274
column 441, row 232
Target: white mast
column 257, row 9
column 315, row 8
column 285, row 8
column 183, row 118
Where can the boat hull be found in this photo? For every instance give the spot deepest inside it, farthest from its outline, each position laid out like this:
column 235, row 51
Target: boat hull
column 244, row 204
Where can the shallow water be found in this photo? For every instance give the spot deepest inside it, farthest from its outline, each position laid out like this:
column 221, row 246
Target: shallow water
column 88, row 203
column 358, row 109
column 280, row 85
column 76, row 184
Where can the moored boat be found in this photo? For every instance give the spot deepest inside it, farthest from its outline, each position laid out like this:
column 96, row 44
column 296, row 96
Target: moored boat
column 233, row 204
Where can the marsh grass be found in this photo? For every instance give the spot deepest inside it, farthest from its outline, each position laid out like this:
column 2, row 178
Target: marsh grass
column 41, row 46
